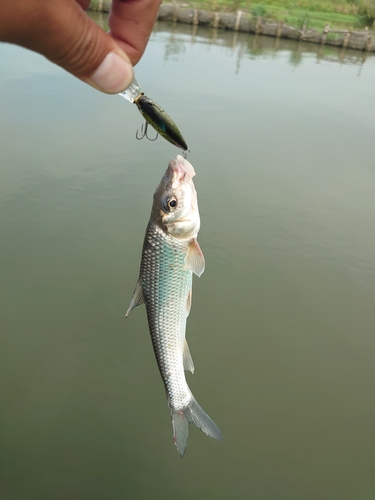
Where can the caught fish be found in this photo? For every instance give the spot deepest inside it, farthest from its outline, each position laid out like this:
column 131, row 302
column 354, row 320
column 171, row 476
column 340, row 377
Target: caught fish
column 155, row 116
column 170, row 256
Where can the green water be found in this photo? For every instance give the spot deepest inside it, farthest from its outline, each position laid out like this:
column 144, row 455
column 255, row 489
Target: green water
column 282, row 327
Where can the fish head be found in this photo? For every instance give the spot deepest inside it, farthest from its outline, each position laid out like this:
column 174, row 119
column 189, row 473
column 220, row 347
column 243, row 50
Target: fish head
column 175, row 207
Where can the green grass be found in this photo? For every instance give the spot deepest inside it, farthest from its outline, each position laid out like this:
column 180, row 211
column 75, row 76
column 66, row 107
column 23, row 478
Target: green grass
column 336, row 13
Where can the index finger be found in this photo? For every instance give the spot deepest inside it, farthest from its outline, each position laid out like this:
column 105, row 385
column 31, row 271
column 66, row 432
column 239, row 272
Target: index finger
column 130, row 23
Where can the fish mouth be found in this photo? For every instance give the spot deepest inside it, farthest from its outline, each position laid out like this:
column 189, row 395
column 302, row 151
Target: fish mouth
column 180, row 170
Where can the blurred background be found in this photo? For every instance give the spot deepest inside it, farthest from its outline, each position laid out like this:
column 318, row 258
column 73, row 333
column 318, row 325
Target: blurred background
column 282, row 324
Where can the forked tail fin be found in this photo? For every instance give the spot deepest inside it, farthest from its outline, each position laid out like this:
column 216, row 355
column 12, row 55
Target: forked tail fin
column 195, row 414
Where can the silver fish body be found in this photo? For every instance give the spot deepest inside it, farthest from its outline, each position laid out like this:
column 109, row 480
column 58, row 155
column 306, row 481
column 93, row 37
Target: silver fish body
column 170, row 256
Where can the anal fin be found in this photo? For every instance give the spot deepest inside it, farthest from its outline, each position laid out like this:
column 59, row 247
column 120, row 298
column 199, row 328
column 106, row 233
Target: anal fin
column 187, row 359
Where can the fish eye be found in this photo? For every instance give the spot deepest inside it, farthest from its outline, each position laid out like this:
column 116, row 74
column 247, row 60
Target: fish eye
column 170, row 203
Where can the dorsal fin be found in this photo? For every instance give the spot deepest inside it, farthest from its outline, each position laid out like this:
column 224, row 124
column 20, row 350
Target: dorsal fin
column 137, row 298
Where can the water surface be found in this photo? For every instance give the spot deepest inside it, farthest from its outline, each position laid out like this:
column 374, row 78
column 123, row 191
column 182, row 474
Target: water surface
column 282, row 325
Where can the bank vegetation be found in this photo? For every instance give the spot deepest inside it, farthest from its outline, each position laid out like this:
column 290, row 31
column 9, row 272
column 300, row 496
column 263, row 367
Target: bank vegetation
column 350, row 14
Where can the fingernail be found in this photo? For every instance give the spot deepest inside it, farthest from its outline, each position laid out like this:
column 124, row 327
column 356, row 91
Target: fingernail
column 114, row 74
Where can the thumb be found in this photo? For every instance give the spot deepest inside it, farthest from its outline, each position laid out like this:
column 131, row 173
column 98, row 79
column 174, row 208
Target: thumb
column 67, row 36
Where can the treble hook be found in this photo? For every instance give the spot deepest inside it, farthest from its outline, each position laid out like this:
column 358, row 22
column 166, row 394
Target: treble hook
column 144, row 128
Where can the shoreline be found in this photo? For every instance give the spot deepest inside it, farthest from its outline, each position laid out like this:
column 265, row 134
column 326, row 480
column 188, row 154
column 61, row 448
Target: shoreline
column 363, row 40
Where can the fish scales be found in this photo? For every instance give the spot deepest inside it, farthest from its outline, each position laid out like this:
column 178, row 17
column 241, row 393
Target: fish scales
column 170, row 256
column 163, row 276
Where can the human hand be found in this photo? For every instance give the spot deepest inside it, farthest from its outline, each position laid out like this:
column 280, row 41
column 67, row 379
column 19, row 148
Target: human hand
column 63, row 32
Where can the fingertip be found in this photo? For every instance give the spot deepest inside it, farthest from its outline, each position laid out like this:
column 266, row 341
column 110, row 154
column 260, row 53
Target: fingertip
column 113, row 75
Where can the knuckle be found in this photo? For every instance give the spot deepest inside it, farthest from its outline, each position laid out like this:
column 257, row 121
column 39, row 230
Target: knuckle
column 83, row 53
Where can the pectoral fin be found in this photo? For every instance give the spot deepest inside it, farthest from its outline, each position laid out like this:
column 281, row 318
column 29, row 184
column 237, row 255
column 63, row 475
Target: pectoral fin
column 188, row 360
column 136, row 300
column 194, row 260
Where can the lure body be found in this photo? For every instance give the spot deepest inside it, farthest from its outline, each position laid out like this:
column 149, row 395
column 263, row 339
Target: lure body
column 160, row 120
column 155, row 116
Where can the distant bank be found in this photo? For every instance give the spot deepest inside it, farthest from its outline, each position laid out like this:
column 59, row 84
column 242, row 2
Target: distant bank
column 242, row 21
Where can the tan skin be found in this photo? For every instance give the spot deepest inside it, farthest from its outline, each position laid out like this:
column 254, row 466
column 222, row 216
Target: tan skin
column 63, row 32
